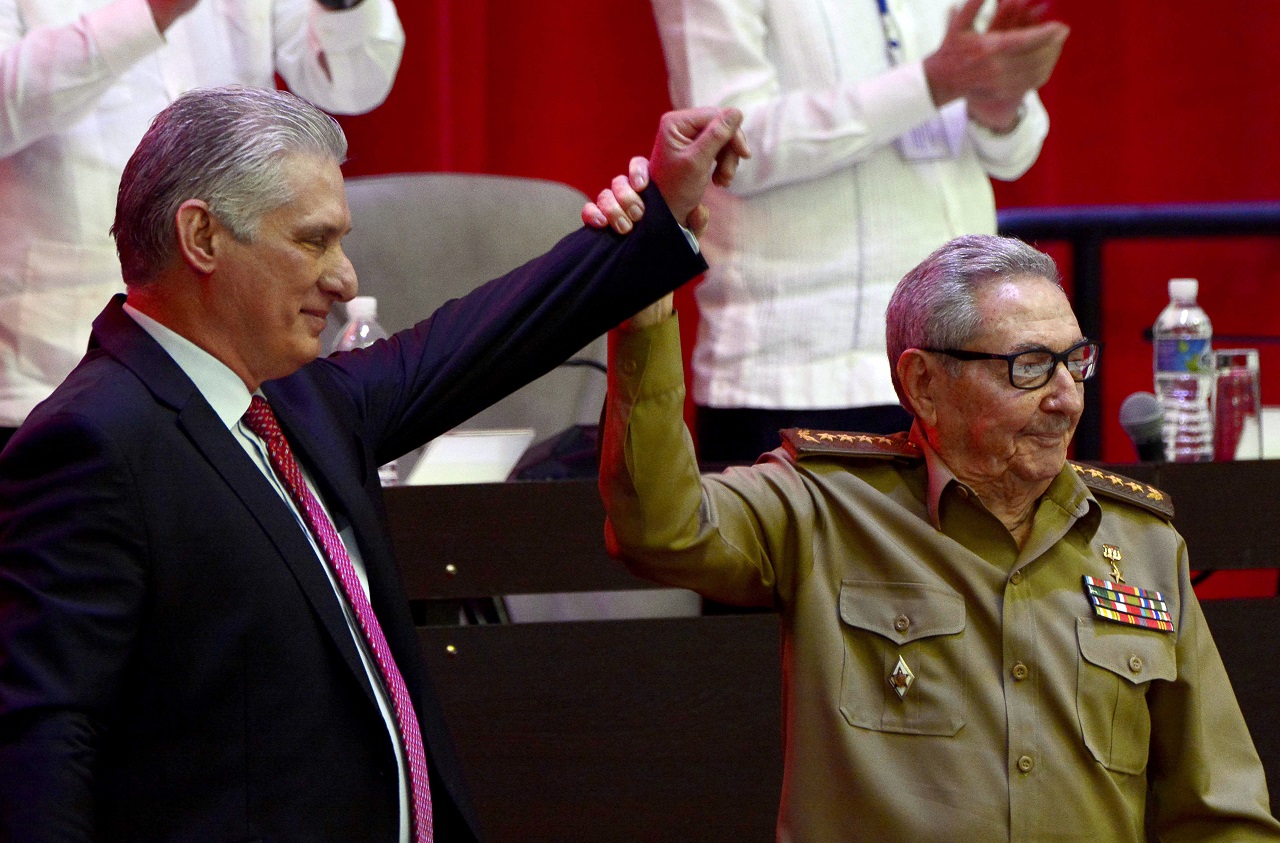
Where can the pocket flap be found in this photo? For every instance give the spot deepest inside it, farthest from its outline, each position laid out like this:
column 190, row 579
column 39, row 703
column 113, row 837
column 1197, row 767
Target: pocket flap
column 1138, row 655
column 901, row 611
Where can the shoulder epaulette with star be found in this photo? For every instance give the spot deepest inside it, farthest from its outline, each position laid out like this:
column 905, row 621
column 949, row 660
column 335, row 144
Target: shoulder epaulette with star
column 802, row 442
column 1122, row 488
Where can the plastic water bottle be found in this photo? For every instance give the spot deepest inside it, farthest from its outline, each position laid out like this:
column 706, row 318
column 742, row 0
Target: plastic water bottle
column 362, row 329
column 1184, row 374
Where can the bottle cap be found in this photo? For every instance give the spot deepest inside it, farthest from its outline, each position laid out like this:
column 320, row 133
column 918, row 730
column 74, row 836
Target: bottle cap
column 1182, row 289
column 362, row 307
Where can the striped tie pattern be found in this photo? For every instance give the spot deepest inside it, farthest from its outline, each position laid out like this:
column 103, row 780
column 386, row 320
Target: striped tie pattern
column 262, row 421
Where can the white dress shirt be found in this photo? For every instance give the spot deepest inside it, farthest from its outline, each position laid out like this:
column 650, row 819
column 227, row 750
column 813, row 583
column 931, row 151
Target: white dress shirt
column 826, row 216
column 80, row 81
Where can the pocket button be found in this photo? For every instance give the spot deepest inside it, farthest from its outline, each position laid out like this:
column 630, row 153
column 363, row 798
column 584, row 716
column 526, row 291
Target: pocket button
column 901, row 623
column 1135, row 664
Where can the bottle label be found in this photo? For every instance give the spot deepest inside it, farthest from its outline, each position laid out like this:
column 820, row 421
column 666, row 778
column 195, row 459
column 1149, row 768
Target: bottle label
column 1184, row 355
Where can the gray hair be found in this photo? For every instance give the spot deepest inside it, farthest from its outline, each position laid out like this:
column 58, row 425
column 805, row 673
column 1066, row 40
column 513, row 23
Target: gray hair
column 225, row 146
column 933, row 305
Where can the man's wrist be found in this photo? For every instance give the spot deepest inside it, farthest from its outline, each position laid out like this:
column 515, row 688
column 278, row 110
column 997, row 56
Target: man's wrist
column 998, row 120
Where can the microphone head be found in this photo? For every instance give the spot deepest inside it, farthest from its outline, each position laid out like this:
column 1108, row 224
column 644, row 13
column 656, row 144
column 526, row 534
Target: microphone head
column 1142, row 417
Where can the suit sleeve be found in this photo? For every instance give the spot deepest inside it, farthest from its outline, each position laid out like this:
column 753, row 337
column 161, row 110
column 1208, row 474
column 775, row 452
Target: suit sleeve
column 71, row 594
column 475, row 350
column 343, row 61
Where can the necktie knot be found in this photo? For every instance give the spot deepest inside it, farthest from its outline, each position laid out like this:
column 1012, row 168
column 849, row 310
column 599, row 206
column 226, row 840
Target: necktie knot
column 261, row 420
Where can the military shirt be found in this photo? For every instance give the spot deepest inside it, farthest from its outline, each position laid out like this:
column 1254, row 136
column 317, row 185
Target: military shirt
column 939, row 682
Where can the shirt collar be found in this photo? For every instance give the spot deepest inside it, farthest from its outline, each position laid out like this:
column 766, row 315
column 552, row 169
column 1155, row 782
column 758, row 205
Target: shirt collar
column 940, row 474
column 1067, row 490
column 221, row 387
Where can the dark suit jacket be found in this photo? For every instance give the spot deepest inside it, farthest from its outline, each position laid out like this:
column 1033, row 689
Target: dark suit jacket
column 174, row 664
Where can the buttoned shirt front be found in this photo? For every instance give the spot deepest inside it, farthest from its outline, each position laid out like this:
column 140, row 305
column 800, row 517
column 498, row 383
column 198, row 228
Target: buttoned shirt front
column 1024, row 715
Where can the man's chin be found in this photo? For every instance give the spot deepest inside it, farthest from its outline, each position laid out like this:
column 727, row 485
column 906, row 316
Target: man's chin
column 1043, row 463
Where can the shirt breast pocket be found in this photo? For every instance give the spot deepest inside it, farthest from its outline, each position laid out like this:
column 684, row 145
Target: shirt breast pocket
column 1116, row 668
column 920, row 624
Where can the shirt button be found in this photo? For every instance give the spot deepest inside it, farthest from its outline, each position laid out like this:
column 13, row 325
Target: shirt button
column 1135, row 664
column 1025, row 763
column 1020, row 671
column 1016, row 577
column 902, row 623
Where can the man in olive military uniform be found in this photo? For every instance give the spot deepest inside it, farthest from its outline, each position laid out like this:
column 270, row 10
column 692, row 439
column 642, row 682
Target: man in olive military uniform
column 982, row 641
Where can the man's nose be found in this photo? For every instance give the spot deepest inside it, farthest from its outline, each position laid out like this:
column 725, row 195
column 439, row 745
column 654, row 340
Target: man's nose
column 341, row 282
column 1065, row 394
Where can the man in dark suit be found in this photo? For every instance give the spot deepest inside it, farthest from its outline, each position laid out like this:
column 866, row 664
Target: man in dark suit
column 202, row 633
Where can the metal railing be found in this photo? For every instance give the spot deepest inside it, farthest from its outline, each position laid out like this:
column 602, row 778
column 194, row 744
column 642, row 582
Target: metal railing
column 1087, row 229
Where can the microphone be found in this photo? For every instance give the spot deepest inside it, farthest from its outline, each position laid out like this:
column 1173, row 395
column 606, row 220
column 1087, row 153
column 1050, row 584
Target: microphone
column 1142, row 418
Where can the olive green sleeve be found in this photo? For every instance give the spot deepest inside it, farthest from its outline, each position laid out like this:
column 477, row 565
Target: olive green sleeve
column 723, row 536
column 1207, row 783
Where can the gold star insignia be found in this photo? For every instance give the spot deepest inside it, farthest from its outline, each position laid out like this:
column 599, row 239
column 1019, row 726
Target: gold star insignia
column 1079, row 468
column 844, row 437
column 865, row 438
column 1137, row 487
column 1115, row 481
column 825, row 437
column 804, row 434
column 1155, row 494
column 1093, row 472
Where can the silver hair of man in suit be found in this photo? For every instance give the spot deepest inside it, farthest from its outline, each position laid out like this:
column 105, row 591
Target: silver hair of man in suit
column 224, row 146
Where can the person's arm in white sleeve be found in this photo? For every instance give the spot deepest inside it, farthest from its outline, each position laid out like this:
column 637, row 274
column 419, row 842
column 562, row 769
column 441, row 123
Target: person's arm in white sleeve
column 343, row 61
column 717, row 53
column 1006, row 152
column 52, row 77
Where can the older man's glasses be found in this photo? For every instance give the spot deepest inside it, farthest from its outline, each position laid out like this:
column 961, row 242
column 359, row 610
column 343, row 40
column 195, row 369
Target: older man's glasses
column 1034, row 369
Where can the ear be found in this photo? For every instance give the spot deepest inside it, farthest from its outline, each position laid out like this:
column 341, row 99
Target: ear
column 918, row 373
column 196, row 230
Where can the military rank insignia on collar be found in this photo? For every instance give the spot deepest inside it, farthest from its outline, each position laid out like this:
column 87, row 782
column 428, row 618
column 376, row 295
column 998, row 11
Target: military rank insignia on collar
column 1122, row 603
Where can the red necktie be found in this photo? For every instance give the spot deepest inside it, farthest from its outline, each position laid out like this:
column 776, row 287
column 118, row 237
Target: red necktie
column 262, row 422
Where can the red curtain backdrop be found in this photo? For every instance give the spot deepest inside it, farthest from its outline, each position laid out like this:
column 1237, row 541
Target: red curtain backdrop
column 1153, row 101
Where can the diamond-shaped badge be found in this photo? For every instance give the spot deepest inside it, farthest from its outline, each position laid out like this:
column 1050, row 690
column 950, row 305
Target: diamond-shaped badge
column 901, row 678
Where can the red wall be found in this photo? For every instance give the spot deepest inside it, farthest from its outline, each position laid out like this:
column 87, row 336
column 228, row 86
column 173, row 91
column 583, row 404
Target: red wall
column 1153, row 101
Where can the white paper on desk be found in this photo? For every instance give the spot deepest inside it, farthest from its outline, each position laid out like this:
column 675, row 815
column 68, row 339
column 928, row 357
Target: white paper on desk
column 470, row 456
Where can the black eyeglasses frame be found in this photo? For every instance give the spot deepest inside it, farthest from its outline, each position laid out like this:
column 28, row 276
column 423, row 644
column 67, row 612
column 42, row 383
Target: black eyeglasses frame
column 1058, row 357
